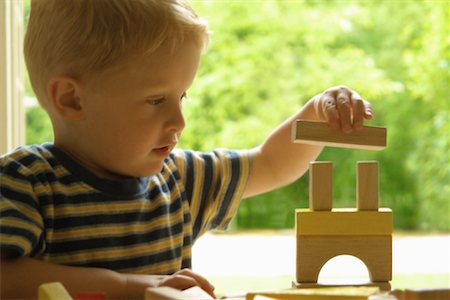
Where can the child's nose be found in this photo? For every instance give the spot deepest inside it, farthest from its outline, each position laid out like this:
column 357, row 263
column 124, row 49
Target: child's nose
column 176, row 122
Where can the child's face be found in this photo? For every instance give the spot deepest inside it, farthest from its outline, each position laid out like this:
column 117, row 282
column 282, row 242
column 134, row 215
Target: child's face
column 134, row 116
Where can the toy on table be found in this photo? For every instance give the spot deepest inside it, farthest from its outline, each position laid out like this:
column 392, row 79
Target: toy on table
column 168, row 293
column 56, row 291
column 423, row 294
column 53, row 291
column 322, row 232
column 364, row 232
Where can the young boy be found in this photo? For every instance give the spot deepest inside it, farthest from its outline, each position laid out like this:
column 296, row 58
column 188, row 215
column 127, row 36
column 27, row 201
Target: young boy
column 110, row 205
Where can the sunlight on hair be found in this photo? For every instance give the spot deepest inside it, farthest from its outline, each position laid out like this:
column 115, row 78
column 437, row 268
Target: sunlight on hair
column 344, row 269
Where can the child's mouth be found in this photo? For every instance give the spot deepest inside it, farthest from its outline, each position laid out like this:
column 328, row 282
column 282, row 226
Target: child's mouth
column 163, row 151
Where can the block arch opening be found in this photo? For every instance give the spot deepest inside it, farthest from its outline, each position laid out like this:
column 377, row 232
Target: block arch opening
column 344, row 269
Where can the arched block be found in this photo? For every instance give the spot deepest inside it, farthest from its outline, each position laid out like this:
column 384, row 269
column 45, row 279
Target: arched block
column 314, row 251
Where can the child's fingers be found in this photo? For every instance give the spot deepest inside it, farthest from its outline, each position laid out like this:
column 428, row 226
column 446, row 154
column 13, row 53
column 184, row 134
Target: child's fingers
column 329, row 110
column 204, row 283
column 368, row 113
column 186, row 278
column 366, row 109
column 358, row 113
column 344, row 106
column 179, row 282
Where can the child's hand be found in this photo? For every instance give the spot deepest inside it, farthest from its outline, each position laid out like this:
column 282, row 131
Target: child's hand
column 342, row 108
column 185, row 279
column 181, row 280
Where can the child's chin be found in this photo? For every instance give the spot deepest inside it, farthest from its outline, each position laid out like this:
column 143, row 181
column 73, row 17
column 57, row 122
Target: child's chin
column 149, row 171
column 143, row 169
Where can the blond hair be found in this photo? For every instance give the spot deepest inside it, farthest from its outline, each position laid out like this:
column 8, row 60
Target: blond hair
column 80, row 38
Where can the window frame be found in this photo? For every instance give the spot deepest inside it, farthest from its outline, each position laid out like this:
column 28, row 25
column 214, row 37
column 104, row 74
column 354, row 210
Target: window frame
column 12, row 110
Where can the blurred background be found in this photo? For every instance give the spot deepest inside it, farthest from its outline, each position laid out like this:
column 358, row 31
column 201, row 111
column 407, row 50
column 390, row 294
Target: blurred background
column 268, row 57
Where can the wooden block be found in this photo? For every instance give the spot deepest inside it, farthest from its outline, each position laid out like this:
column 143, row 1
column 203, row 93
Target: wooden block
column 260, row 297
column 53, row 291
column 343, row 221
column 427, row 294
column 321, row 293
column 320, row 185
column 91, row 296
column 422, row 294
column 168, row 293
column 321, row 134
column 162, row 293
column 382, row 286
column 367, row 185
column 313, row 252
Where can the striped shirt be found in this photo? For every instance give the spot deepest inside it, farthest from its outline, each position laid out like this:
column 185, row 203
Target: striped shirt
column 53, row 209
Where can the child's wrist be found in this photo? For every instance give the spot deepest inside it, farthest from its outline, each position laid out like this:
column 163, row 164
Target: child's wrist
column 136, row 284
column 311, row 110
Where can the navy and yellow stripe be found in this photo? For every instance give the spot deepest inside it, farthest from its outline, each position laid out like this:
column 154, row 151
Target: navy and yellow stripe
column 53, row 209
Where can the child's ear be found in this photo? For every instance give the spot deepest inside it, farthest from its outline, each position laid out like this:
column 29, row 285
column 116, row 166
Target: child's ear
column 65, row 95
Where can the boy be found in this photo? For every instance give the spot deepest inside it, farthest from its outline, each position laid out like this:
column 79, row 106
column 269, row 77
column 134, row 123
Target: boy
column 110, row 205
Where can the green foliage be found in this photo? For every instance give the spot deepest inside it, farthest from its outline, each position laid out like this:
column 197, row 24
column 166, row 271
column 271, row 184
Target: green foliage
column 267, row 58
column 39, row 127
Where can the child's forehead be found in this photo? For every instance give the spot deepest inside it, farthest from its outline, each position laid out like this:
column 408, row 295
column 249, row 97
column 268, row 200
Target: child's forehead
column 156, row 68
column 164, row 55
column 135, row 64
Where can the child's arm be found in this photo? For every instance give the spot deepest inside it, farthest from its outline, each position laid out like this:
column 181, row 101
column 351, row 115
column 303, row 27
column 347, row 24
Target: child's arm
column 20, row 279
column 278, row 161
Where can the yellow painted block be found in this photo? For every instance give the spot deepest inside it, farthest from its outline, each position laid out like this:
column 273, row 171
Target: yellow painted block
column 53, row 291
column 345, row 221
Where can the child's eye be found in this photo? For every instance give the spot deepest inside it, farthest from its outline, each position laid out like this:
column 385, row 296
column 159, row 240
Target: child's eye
column 155, row 101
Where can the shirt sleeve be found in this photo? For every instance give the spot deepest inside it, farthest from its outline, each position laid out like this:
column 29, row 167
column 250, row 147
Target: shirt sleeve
column 214, row 185
column 21, row 224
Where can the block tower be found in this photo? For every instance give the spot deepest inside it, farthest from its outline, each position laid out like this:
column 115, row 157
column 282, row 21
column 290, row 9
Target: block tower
column 322, row 232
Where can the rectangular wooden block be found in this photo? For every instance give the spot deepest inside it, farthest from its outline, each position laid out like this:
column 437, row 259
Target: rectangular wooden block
column 321, row 293
column 168, row 293
column 367, row 185
column 422, row 294
column 321, row 134
column 53, row 291
column 382, row 286
column 320, row 185
column 346, row 221
column 259, row 297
